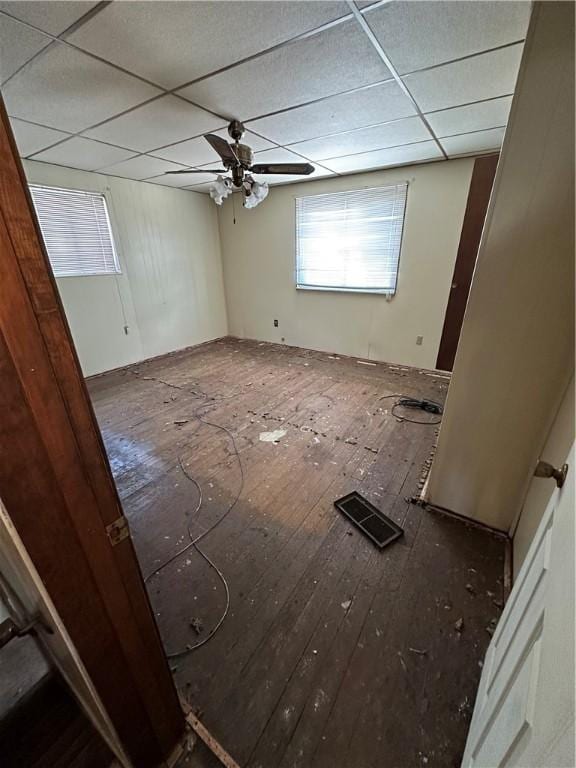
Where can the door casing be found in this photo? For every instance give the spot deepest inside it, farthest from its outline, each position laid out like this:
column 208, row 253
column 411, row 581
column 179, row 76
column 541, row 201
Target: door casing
column 58, row 490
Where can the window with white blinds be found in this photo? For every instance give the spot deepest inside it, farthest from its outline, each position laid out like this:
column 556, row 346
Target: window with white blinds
column 76, row 230
column 350, row 241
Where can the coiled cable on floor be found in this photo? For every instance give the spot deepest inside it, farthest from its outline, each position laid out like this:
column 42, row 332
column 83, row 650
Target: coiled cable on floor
column 405, row 401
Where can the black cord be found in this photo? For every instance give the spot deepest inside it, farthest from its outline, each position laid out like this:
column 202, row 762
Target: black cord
column 405, row 401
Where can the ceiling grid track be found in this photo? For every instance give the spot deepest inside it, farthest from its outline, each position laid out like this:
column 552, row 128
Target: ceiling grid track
column 358, row 16
column 400, row 82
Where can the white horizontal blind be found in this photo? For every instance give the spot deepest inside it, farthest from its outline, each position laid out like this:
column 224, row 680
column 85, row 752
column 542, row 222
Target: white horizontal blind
column 350, row 241
column 76, row 230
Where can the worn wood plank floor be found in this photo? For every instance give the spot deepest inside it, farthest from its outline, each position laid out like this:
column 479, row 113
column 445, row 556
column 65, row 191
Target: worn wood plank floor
column 333, row 653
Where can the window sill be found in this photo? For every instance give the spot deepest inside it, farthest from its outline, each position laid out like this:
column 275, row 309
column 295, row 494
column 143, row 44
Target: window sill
column 372, row 291
column 89, row 274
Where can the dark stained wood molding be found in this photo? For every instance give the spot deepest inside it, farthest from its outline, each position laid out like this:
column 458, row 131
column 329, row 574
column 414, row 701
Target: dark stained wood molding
column 474, row 216
column 57, row 487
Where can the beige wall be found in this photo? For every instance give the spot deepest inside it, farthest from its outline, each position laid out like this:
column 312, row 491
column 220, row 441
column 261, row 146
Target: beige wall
column 170, row 293
column 555, row 451
column 516, row 352
column 259, row 267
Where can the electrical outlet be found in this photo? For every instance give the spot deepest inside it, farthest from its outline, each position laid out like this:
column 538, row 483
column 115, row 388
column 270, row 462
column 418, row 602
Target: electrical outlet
column 275, row 323
column 419, row 340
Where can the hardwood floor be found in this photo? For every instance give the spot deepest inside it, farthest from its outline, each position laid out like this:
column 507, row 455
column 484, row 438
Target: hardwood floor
column 333, row 653
column 47, row 729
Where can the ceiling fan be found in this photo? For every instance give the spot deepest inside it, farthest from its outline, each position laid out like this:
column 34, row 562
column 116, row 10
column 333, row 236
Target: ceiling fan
column 238, row 160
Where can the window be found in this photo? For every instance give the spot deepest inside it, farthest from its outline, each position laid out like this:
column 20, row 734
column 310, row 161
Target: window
column 350, row 241
column 76, row 230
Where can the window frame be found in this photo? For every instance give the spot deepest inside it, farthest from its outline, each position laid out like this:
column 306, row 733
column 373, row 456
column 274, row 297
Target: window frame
column 388, row 293
column 104, row 194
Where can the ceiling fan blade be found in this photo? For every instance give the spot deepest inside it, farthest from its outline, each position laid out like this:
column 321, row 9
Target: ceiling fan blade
column 299, row 169
column 222, row 147
column 197, row 170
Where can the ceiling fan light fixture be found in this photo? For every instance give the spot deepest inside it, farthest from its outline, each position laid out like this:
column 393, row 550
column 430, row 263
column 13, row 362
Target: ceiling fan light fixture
column 257, row 193
column 220, row 190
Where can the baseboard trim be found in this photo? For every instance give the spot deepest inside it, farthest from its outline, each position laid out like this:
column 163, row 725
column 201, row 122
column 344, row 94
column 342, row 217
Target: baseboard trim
column 442, row 375
column 164, row 355
column 430, row 507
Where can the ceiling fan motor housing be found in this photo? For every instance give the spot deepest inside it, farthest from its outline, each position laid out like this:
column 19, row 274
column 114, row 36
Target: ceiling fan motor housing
column 244, row 154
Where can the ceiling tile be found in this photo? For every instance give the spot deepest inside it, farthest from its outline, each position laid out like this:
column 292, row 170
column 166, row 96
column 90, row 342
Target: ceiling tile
column 306, row 69
column 83, row 154
column 64, row 88
column 179, row 182
column 163, row 121
column 347, row 111
column 278, row 155
column 141, row 167
column 204, row 188
column 481, row 77
column 474, row 117
column 481, row 141
column 382, row 158
column 32, row 138
column 422, row 34
column 19, row 44
column 191, row 152
column 199, row 152
column 52, row 16
column 200, row 178
column 364, row 139
column 172, row 43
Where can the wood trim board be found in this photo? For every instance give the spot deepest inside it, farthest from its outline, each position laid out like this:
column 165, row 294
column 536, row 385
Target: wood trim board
column 476, row 206
column 58, row 489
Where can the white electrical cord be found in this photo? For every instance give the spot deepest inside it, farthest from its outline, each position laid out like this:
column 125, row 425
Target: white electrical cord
column 195, row 540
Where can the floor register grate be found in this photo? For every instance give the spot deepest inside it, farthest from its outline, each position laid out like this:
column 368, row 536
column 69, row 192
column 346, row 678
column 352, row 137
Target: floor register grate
column 368, row 518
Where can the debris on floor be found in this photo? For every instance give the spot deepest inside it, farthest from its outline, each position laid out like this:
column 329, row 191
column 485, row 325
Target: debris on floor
column 197, row 625
column 491, row 626
column 272, row 437
column 402, row 662
column 459, row 625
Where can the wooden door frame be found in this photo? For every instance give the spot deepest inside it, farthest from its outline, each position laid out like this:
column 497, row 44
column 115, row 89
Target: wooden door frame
column 57, row 487
column 474, row 216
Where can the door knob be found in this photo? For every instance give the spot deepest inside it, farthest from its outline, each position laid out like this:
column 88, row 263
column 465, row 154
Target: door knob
column 544, row 469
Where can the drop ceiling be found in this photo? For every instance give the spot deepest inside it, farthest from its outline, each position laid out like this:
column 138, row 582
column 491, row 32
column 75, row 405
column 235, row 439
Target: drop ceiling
column 128, row 88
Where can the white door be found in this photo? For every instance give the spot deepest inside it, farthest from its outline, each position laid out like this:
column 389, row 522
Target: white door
column 524, row 712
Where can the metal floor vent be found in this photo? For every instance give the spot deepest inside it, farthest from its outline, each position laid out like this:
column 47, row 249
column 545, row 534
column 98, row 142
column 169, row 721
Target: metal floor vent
column 373, row 523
